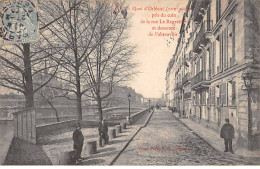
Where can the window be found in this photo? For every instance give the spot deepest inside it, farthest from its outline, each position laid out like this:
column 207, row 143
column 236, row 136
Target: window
column 224, row 94
column 231, row 93
column 217, row 91
column 207, row 64
column 213, row 53
column 201, row 98
column 203, row 94
column 225, row 48
column 194, row 98
column 231, row 45
column 217, row 56
column 213, row 12
column 198, row 66
column 212, row 96
column 207, row 97
column 218, row 11
column 197, row 99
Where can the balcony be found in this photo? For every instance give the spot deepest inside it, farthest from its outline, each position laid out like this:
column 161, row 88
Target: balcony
column 200, row 10
column 178, row 86
column 201, row 80
column 187, row 95
column 203, row 37
column 186, row 78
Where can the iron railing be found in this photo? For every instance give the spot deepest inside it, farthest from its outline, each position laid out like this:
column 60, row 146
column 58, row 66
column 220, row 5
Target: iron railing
column 200, row 77
column 200, row 9
column 206, row 26
column 178, row 86
column 187, row 95
column 186, row 78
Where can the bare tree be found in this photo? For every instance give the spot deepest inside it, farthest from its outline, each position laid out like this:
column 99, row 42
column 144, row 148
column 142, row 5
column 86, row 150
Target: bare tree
column 79, row 31
column 111, row 63
column 21, row 64
column 48, row 94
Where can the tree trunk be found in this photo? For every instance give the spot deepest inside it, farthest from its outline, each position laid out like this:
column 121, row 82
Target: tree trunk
column 29, row 94
column 78, row 94
column 79, row 107
column 56, row 112
column 100, row 113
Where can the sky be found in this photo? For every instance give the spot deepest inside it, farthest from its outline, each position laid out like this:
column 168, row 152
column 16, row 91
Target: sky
column 152, row 52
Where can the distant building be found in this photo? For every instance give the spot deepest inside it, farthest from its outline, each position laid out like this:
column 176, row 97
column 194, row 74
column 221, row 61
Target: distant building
column 119, row 97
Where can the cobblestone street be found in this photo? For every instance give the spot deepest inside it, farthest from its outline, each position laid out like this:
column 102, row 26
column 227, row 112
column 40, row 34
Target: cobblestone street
column 166, row 141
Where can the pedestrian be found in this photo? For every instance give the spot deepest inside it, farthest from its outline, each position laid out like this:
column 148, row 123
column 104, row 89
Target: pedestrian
column 102, row 130
column 227, row 133
column 78, row 139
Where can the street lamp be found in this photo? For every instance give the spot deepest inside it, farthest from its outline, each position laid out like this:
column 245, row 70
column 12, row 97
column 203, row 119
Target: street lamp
column 149, row 105
column 129, row 97
column 247, row 77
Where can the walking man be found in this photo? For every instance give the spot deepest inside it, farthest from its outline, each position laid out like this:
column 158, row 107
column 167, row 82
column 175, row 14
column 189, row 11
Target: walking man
column 227, row 133
column 102, row 130
column 78, row 139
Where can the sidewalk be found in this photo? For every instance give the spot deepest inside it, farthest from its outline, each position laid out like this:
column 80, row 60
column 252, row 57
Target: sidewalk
column 55, row 145
column 214, row 140
column 6, row 132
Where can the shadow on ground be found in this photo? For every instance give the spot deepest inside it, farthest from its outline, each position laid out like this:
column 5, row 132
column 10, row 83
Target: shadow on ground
column 117, row 141
column 92, row 162
column 50, row 141
column 23, row 153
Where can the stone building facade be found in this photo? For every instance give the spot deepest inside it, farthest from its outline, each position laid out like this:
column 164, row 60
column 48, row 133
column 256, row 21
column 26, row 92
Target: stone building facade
column 218, row 43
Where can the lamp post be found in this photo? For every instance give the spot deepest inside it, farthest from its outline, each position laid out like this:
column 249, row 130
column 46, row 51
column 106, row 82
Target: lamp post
column 129, row 99
column 247, row 77
column 149, row 105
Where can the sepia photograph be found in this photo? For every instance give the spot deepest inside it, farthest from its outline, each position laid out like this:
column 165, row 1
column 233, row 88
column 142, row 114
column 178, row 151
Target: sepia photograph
column 130, row 83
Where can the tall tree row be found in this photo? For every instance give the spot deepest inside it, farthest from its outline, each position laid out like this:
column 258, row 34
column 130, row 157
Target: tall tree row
column 82, row 44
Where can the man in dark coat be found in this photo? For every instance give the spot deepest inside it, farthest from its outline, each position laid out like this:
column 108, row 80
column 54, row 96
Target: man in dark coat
column 102, row 130
column 78, row 139
column 227, row 133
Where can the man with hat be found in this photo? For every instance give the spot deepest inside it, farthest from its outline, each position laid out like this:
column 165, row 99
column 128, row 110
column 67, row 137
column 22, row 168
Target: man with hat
column 102, row 130
column 227, row 133
column 78, row 139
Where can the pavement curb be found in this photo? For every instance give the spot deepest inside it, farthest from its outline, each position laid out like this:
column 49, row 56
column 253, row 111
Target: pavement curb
column 219, row 151
column 121, row 151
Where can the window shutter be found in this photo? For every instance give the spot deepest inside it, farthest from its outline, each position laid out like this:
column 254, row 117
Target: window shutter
column 221, row 52
column 203, row 61
column 225, row 49
column 213, row 57
column 198, row 65
column 203, row 98
column 220, row 94
column 209, row 97
column 197, row 99
column 224, row 95
column 210, row 61
column 233, row 40
column 213, row 96
column 233, row 92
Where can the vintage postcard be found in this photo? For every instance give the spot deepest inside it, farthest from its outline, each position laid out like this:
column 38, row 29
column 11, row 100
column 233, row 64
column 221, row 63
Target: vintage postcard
column 130, row 82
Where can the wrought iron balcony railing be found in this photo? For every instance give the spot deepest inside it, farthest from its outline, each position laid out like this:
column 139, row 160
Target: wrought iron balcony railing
column 186, row 78
column 200, row 9
column 200, row 77
column 178, row 86
column 187, row 95
column 201, row 38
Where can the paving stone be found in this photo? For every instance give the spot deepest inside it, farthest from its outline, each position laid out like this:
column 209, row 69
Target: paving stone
column 166, row 141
